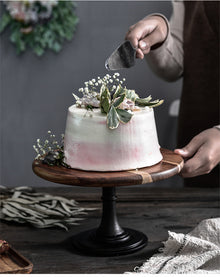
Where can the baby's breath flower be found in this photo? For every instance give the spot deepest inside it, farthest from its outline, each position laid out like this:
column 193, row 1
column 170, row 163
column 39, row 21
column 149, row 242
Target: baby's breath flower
column 35, row 148
column 80, row 89
column 51, row 145
column 78, row 102
column 93, row 80
column 86, row 90
column 90, row 83
column 49, row 132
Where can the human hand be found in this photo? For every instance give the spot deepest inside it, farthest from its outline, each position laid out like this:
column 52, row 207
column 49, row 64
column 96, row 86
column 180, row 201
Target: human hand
column 146, row 33
column 202, row 153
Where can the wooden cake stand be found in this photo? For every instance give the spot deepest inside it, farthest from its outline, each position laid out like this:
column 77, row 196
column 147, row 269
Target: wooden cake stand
column 110, row 239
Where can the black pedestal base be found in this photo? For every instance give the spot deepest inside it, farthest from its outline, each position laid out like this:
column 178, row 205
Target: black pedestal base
column 91, row 243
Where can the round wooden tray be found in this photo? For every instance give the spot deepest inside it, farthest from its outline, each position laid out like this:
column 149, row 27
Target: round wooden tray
column 170, row 165
column 110, row 239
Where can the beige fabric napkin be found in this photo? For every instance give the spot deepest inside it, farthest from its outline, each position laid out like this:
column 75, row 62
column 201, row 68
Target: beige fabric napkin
column 195, row 252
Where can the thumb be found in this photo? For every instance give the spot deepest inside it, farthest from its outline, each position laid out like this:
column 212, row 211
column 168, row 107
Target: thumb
column 150, row 40
column 190, row 149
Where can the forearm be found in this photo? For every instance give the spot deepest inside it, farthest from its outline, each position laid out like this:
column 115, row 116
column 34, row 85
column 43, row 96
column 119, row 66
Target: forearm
column 167, row 60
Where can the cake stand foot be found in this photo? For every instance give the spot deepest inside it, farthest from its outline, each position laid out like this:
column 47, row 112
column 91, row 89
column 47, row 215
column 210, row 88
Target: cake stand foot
column 109, row 239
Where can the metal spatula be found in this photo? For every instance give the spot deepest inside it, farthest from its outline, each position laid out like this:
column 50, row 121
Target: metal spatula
column 122, row 57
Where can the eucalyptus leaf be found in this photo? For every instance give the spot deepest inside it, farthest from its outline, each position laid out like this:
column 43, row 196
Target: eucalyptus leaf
column 124, row 116
column 112, row 118
column 40, row 210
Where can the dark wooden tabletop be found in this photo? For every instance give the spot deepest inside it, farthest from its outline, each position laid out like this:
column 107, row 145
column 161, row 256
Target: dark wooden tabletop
column 153, row 211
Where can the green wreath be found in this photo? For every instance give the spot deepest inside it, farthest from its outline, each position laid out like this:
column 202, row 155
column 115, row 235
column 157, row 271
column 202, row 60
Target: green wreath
column 39, row 25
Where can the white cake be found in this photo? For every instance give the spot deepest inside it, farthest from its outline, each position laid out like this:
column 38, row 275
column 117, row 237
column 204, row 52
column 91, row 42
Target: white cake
column 90, row 145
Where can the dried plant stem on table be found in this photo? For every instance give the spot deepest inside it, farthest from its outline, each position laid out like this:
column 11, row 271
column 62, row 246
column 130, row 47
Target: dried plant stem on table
column 23, row 205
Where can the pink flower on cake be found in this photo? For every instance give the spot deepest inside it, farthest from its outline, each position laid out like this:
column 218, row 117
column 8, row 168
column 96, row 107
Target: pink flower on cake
column 127, row 104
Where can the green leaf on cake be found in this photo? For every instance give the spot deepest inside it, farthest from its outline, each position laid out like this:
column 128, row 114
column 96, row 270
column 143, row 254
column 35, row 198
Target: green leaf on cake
column 155, row 103
column 119, row 100
column 146, row 102
column 104, row 99
column 130, row 94
column 143, row 101
column 124, row 116
column 112, row 118
column 119, row 90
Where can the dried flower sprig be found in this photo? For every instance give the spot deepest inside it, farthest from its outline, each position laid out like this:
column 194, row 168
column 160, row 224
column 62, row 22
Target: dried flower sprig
column 114, row 99
column 50, row 151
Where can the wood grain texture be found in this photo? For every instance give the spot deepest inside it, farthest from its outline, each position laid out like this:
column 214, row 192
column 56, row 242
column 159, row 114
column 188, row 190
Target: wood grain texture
column 152, row 211
column 170, row 165
column 12, row 262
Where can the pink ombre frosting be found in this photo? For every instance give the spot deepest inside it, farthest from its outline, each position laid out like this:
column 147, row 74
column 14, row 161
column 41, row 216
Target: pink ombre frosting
column 90, row 145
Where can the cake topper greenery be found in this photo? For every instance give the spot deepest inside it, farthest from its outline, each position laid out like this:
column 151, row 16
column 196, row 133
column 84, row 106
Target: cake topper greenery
column 39, row 25
column 113, row 98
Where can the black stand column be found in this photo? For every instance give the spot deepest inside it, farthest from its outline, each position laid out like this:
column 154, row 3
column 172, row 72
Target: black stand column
column 109, row 239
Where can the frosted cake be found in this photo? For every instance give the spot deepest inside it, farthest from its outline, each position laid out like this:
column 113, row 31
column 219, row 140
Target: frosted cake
column 110, row 128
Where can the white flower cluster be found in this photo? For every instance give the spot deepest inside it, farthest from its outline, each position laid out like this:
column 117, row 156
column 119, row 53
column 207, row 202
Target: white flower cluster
column 48, row 145
column 28, row 11
column 91, row 91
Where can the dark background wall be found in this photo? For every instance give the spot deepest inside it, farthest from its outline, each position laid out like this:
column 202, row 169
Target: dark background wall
column 36, row 92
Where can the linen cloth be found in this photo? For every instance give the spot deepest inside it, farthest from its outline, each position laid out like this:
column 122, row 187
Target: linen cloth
column 197, row 252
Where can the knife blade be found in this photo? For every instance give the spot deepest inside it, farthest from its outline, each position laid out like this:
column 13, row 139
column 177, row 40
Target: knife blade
column 122, row 57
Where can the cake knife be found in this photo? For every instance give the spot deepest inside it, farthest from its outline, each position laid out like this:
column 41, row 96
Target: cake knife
column 122, row 57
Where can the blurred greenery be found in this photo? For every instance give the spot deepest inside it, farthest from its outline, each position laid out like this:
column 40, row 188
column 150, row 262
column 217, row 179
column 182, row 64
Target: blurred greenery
column 44, row 35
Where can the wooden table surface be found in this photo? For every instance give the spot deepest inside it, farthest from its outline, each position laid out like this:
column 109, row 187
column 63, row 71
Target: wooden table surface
column 153, row 211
